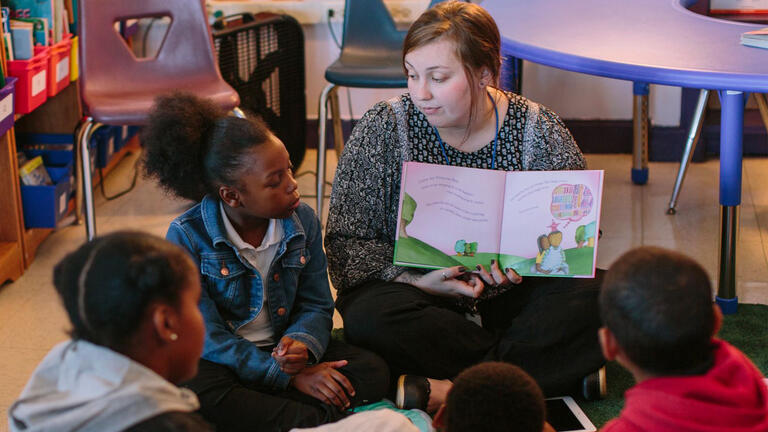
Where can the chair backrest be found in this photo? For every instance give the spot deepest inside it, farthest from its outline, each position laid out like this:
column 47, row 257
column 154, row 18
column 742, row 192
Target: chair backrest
column 369, row 30
column 106, row 63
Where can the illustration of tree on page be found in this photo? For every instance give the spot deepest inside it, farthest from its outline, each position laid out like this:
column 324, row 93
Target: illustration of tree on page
column 542, row 223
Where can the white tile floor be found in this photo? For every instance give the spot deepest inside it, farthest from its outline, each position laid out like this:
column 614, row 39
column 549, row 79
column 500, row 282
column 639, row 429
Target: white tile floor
column 31, row 320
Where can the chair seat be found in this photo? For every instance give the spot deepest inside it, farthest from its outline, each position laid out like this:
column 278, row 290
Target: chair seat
column 116, row 107
column 367, row 72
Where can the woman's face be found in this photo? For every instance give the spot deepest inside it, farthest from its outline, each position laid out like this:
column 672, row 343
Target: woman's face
column 438, row 85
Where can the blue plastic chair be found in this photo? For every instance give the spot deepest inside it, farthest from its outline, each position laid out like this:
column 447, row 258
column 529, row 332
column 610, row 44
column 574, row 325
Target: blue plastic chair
column 371, row 57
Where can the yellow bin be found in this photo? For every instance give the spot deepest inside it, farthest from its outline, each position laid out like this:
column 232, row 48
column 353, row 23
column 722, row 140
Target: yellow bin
column 74, row 70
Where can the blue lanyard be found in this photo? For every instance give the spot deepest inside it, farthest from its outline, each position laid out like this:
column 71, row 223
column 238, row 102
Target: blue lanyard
column 495, row 138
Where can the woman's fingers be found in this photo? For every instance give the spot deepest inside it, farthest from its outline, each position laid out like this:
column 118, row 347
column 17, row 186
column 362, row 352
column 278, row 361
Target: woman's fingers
column 499, row 278
column 471, row 288
column 477, row 286
column 487, row 278
column 451, row 272
column 513, row 276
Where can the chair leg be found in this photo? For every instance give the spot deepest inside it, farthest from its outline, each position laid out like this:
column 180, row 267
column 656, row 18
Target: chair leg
column 322, row 117
column 763, row 107
column 85, row 135
column 81, row 126
column 690, row 145
column 338, row 133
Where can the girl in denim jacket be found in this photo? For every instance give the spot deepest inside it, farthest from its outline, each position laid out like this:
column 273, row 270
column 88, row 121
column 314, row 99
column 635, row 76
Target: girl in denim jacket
column 268, row 362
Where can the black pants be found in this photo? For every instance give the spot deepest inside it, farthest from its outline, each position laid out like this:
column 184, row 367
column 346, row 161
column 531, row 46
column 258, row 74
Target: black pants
column 232, row 405
column 547, row 326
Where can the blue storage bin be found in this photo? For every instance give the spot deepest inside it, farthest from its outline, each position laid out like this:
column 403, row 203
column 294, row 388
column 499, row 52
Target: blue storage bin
column 57, row 172
column 44, row 206
column 56, row 149
column 66, row 172
column 53, row 157
column 104, row 139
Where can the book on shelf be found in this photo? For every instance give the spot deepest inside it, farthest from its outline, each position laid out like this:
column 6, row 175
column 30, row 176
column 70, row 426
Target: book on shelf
column 40, row 33
column 755, row 38
column 6, row 46
column 22, row 38
column 33, row 173
column 539, row 223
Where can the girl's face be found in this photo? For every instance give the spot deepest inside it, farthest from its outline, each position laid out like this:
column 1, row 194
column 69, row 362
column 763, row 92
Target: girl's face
column 189, row 346
column 268, row 190
column 544, row 243
column 438, row 85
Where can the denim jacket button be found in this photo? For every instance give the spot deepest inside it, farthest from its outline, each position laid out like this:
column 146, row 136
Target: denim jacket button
column 224, row 271
column 281, row 311
column 303, row 260
column 276, row 277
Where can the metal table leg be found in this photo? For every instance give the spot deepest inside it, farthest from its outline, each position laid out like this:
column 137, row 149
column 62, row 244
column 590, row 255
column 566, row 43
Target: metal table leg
column 690, row 145
column 731, row 129
column 640, row 133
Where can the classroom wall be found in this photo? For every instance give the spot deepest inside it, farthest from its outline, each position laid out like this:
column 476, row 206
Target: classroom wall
column 572, row 95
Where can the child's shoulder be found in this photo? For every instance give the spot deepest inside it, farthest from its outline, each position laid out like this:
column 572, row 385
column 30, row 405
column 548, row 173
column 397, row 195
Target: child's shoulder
column 306, row 213
column 306, row 217
column 191, row 214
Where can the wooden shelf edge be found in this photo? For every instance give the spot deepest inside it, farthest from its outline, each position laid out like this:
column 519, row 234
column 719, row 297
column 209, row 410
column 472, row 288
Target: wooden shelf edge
column 32, row 239
column 11, row 267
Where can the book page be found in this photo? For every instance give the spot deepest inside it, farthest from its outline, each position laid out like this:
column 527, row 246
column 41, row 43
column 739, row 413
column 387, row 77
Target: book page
column 448, row 216
column 551, row 222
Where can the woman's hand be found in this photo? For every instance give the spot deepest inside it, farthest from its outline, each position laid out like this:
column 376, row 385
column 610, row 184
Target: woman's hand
column 291, row 355
column 496, row 276
column 323, row 382
column 447, row 282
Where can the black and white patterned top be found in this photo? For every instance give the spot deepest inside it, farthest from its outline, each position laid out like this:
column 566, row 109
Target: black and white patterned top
column 362, row 218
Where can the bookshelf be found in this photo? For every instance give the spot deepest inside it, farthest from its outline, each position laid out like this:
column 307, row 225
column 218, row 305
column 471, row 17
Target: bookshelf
column 12, row 263
column 18, row 244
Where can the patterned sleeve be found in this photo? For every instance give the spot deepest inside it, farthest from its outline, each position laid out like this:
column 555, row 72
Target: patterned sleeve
column 359, row 238
column 549, row 144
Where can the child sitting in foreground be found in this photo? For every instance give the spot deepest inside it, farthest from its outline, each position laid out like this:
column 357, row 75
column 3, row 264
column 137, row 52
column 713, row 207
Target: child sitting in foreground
column 132, row 301
column 660, row 323
column 491, row 397
column 487, row 397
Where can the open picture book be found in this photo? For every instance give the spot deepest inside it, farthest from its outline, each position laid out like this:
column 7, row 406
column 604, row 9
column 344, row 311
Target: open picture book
column 540, row 223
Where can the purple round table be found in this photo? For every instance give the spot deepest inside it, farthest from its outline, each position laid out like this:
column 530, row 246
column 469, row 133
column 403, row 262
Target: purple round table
column 657, row 42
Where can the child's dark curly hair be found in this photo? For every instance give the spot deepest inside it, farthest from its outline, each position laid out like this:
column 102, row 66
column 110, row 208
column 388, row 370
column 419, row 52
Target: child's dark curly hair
column 192, row 147
column 494, row 396
column 107, row 284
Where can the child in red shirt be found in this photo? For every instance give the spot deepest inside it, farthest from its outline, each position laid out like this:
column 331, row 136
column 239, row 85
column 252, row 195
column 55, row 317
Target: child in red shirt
column 659, row 323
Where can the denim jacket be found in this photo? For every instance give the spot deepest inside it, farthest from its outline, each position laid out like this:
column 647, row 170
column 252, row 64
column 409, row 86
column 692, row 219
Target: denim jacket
column 298, row 294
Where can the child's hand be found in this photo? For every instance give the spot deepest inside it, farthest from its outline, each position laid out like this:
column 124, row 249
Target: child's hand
column 323, row 382
column 291, row 355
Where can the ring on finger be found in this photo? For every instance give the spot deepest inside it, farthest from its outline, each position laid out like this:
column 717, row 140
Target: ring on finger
column 444, row 276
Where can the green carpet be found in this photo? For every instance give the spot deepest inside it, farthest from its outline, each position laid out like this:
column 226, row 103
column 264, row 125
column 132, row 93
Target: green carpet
column 747, row 330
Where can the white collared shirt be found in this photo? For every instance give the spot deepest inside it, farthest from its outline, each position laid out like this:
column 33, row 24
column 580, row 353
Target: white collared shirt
column 259, row 330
